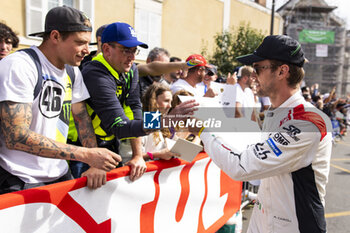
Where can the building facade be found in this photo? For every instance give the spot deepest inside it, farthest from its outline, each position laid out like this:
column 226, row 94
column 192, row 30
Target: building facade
column 180, row 26
column 323, row 37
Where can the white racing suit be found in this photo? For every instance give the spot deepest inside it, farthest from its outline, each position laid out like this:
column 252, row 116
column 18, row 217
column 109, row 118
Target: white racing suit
column 292, row 160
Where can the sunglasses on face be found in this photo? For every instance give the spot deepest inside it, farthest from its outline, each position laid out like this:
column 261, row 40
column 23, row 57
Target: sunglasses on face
column 209, row 73
column 258, row 69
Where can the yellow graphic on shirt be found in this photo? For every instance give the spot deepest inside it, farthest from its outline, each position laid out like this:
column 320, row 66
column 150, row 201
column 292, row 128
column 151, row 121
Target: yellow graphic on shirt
column 63, row 121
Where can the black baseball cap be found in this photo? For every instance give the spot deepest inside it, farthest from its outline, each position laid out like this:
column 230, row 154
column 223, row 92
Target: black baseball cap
column 213, row 69
column 65, row 19
column 276, row 47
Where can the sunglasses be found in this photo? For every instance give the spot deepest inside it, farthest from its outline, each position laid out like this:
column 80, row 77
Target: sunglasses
column 209, row 73
column 258, row 69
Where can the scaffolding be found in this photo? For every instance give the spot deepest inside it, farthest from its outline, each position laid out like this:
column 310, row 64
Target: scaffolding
column 328, row 59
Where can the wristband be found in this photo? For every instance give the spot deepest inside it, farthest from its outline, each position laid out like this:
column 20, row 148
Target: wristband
column 200, row 131
column 150, row 155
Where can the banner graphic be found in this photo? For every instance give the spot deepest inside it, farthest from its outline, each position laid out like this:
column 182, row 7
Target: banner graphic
column 172, row 196
column 316, row 36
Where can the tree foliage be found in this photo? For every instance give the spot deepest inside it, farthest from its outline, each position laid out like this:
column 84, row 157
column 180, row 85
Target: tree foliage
column 231, row 44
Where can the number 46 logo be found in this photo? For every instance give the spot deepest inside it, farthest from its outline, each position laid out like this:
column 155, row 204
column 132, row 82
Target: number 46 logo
column 51, row 98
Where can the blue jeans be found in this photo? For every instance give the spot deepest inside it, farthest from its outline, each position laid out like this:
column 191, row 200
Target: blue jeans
column 77, row 168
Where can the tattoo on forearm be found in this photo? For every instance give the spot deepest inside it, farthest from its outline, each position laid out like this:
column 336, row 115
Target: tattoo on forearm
column 14, row 125
column 84, row 127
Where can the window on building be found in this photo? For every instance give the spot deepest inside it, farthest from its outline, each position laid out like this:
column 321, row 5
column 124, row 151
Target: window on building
column 36, row 11
column 148, row 24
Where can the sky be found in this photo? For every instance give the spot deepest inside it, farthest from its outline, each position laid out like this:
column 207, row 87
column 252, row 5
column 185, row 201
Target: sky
column 342, row 11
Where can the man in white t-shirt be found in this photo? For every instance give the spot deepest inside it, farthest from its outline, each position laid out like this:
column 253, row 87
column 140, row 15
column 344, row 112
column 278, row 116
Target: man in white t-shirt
column 34, row 128
column 245, row 102
column 195, row 75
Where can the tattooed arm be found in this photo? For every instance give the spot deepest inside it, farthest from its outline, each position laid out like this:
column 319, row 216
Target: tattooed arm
column 83, row 125
column 95, row 177
column 15, row 121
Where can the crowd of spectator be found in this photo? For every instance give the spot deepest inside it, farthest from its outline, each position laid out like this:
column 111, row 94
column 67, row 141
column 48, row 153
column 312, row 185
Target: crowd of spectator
column 161, row 72
column 336, row 108
column 108, row 94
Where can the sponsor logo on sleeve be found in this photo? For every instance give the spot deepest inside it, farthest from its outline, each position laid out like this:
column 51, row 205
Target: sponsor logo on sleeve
column 287, row 118
column 260, row 152
column 279, row 138
column 273, row 146
column 292, row 131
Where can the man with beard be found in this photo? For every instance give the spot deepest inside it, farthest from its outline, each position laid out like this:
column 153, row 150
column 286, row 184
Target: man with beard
column 194, row 76
column 293, row 158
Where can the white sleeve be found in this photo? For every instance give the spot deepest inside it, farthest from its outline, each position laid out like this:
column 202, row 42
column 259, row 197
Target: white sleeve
column 18, row 77
column 281, row 152
column 175, row 88
column 239, row 94
column 200, row 87
column 79, row 92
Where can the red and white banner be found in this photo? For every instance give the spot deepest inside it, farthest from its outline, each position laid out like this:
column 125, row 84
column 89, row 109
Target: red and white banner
column 172, row 196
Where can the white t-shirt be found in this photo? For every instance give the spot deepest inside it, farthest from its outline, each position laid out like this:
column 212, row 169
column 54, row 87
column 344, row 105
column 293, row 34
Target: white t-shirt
column 164, row 82
column 50, row 111
column 149, row 144
column 240, row 97
column 249, row 103
column 202, row 89
column 181, row 84
column 239, row 94
column 246, row 98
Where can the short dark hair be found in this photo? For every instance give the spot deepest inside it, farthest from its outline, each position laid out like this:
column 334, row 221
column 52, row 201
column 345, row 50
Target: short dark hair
column 316, row 98
column 7, row 34
column 296, row 73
